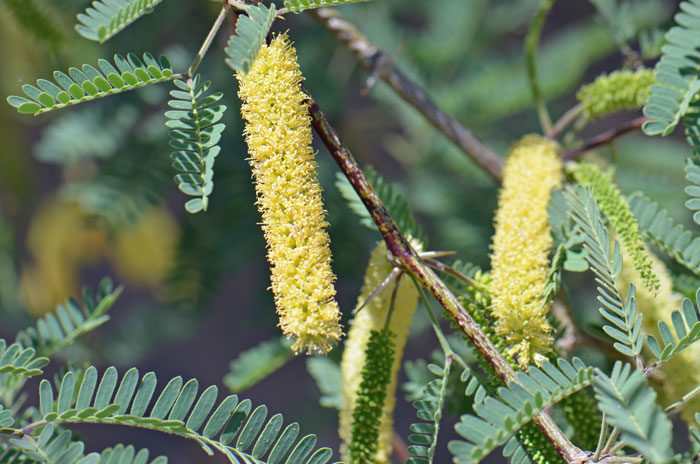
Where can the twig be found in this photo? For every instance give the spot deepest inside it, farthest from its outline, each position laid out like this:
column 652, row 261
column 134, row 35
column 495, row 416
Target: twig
column 377, row 62
column 532, row 41
column 606, row 137
column 207, row 42
column 442, row 267
column 566, row 119
column 391, row 276
column 407, row 258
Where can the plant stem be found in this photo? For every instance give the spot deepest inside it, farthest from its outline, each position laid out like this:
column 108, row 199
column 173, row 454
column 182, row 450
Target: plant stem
column 676, row 407
column 207, row 42
column 611, row 440
column 378, row 62
column 442, row 267
column 605, row 137
column 601, row 437
column 532, row 41
column 446, row 348
column 566, row 119
column 407, row 258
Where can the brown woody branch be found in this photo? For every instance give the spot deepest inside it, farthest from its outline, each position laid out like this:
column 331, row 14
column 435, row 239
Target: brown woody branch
column 378, row 63
column 606, row 137
column 405, row 257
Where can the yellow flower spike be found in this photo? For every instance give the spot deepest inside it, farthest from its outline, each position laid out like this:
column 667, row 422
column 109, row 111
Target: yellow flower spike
column 278, row 134
column 372, row 317
column 682, row 372
column 521, row 245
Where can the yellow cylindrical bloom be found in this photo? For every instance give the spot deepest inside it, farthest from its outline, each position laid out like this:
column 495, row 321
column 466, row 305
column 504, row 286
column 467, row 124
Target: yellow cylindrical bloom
column 278, row 134
column 372, row 317
column 681, row 373
column 521, row 246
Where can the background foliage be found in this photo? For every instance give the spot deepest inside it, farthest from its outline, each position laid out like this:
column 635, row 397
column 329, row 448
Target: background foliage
column 196, row 285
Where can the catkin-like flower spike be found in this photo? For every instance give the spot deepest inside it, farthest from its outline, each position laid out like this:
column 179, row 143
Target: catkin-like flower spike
column 618, row 213
column 278, row 134
column 521, row 245
column 372, row 319
column 619, row 90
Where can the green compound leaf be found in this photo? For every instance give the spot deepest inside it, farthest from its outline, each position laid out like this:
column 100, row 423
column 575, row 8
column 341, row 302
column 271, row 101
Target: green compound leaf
column 108, row 17
column 60, row 446
column 195, row 134
column 623, row 221
column 251, row 29
column 499, row 417
column 677, row 81
column 692, row 174
column 6, row 419
column 605, row 261
column 21, row 361
column 329, row 380
column 255, row 364
column 297, row 6
column 88, row 84
column 695, row 433
column 662, row 231
column 395, row 202
column 429, row 408
column 37, row 20
column 69, row 321
column 229, row 427
column 686, row 330
column 629, row 404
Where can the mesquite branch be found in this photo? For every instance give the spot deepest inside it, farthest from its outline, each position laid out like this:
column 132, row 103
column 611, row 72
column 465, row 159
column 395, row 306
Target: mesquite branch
column 378, row 63
column 407, row 258
column 606, row 137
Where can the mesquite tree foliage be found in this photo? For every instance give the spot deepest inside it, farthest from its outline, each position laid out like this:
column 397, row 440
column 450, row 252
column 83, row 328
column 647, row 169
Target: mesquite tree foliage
column 526, row 369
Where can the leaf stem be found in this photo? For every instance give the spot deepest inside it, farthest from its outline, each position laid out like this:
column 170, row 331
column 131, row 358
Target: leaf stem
column 601, row 437
column 611, row 440
column 532, row 41
column 676, row 407
column 566, row 120
column 605, row 137
column 207, row 42
column 407, row 258
column 444, row 344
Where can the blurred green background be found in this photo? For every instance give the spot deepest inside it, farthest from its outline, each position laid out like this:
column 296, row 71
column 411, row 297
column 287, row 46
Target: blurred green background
column 87, row 192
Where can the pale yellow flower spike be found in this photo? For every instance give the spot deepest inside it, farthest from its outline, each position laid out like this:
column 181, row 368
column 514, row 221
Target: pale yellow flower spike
column 278, row 133
column 372, row 317
column 682, row 372
column 521, row 246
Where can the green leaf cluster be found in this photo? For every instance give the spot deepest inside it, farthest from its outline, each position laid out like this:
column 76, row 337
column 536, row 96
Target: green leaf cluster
column 251, row 29
column 106, row 18
column 677, row 82
column 618, row 213
column 629, row 404
column 605, row 261
column 195, row 134
column 297, row 6
column 79, row 86
column 234, row 428
column 500, row 416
